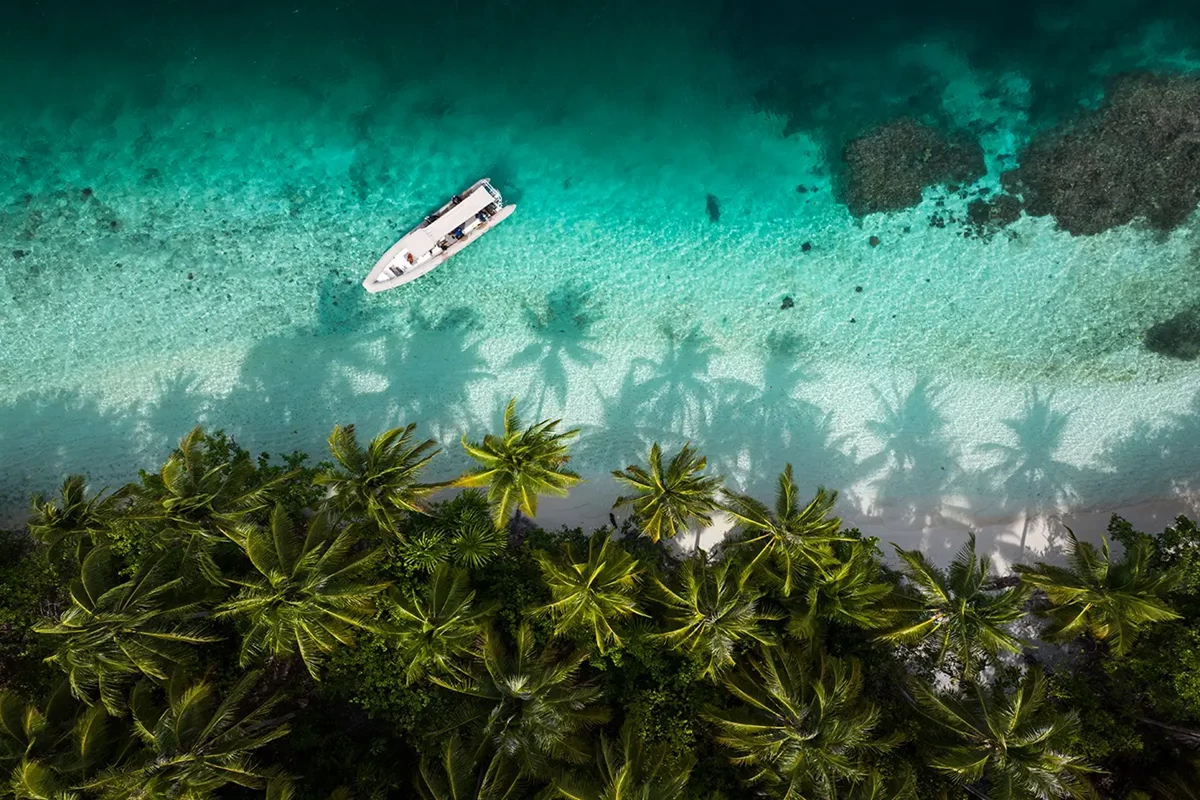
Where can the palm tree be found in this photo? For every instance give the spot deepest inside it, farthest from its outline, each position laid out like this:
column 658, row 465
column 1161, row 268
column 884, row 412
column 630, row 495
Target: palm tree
column 791, row 538
column 957, row 609
column 74, row 521
column 712, row 613
column 626, row 769
column 850, row 593
column 902, row 785
column 803, row 728
column 114, row 631
column 592, row 593
column 47, row 751
column 1006, row 747
column 311, row 593
column 203, row 495
column 1109, row 602
column 520, row 464
column 194, row 744
column 667, row 502
column 458, row 530
column 535, row 707
column 381, row 481
column 437, row 625
column 457, row 772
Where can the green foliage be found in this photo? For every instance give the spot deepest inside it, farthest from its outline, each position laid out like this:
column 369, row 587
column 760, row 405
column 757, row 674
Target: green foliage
column 73, row 522
column 956, row 609
column 593, row 593
column 1108, row 601
column 381, row 481
column 458, row 530
column 668, row 501
column 520, row 464
column 27, row 583
column 437, row 625
column 625, row 768
column 311, row 593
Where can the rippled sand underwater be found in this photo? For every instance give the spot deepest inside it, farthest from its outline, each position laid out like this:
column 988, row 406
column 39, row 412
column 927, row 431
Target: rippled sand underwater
column 194, row 209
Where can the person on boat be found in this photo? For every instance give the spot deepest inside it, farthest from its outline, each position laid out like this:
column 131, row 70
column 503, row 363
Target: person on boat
column 458, row 232
column 455, row 200
column 410, row 258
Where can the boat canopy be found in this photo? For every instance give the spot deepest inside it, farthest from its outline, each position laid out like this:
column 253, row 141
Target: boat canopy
column 453, row 217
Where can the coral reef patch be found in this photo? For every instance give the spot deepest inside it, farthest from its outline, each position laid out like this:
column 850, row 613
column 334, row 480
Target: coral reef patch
column 888, row 168
column 1136, row 157
column 1177, row 337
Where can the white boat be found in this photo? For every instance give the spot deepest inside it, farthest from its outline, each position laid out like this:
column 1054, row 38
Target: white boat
column 445, row 232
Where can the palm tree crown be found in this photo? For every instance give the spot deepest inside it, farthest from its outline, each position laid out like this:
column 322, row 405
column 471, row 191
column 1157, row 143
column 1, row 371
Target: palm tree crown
column 850, row 593
column 382, row 480
column 437, row 625
column 626, row 768
column 957, row 609
column 804, row 726
column 713, row 610
column 1110, row 602
column 457, row 772
column 310, row 594
column 667, row 501
column 1014, row 744
column 115, row 630
column 592, row 593
column 73, row 521
column 194, row 744
column 535, row 706
column 792, row 538
column 520, row 464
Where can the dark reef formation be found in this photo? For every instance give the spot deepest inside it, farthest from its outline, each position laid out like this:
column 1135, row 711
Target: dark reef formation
column 987, row 217
column 1137, row 156
column 888, row 168
column 1177, row 337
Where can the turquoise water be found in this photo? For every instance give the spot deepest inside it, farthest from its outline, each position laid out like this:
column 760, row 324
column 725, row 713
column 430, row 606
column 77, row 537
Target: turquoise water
column 196, row 197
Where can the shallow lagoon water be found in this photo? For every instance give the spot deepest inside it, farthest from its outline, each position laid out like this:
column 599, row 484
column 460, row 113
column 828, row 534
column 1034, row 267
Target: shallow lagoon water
column 246, row 168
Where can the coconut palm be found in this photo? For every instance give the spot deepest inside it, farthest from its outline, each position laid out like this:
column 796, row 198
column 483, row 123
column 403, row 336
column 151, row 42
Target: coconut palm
column 311, row 592
column 956, row 609
column 876, row 786
column 803, row 727
column 593, row 593
column 457, row 772
column 284, row 788
column 792, row 538
column 520, row 464
column 381, row 481
column 714, row 609
column 73, row 522
column 115, row 630
column 666, row 502
column 46, row 751
column 204, row 494
column 850, row 593
column 1006, row 747
column 194, row 744
column 1108, row 601
column 534, row 706
column 437, row 624
column 626, row 769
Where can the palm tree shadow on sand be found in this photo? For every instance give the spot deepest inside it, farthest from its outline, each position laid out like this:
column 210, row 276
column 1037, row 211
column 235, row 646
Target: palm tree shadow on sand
column 561, row 331
column 1155, row 460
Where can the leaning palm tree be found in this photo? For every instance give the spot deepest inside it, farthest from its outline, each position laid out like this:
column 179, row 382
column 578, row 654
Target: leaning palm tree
column 956, row 609
column 438, row 624
column 47, row 751
column 115, row 630
column 791, row 539
column 311, row 594
column 804, row 728
column 713, row 611
column 194, row 744
column 520, row 464
column 534, row 708
column 381, row 481
column 1109, row 601
column 457, row 772
column 626, row 769
column 202, row 496
column 592, row 593
column 850, row 593
column 666, row 502
column 72, row 522
column 1006, row 747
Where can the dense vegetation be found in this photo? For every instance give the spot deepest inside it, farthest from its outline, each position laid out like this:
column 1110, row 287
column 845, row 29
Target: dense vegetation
column 232, row 627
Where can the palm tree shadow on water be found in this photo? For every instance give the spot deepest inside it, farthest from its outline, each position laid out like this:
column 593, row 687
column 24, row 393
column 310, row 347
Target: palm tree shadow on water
column 1155, row 460
column 561, row 331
